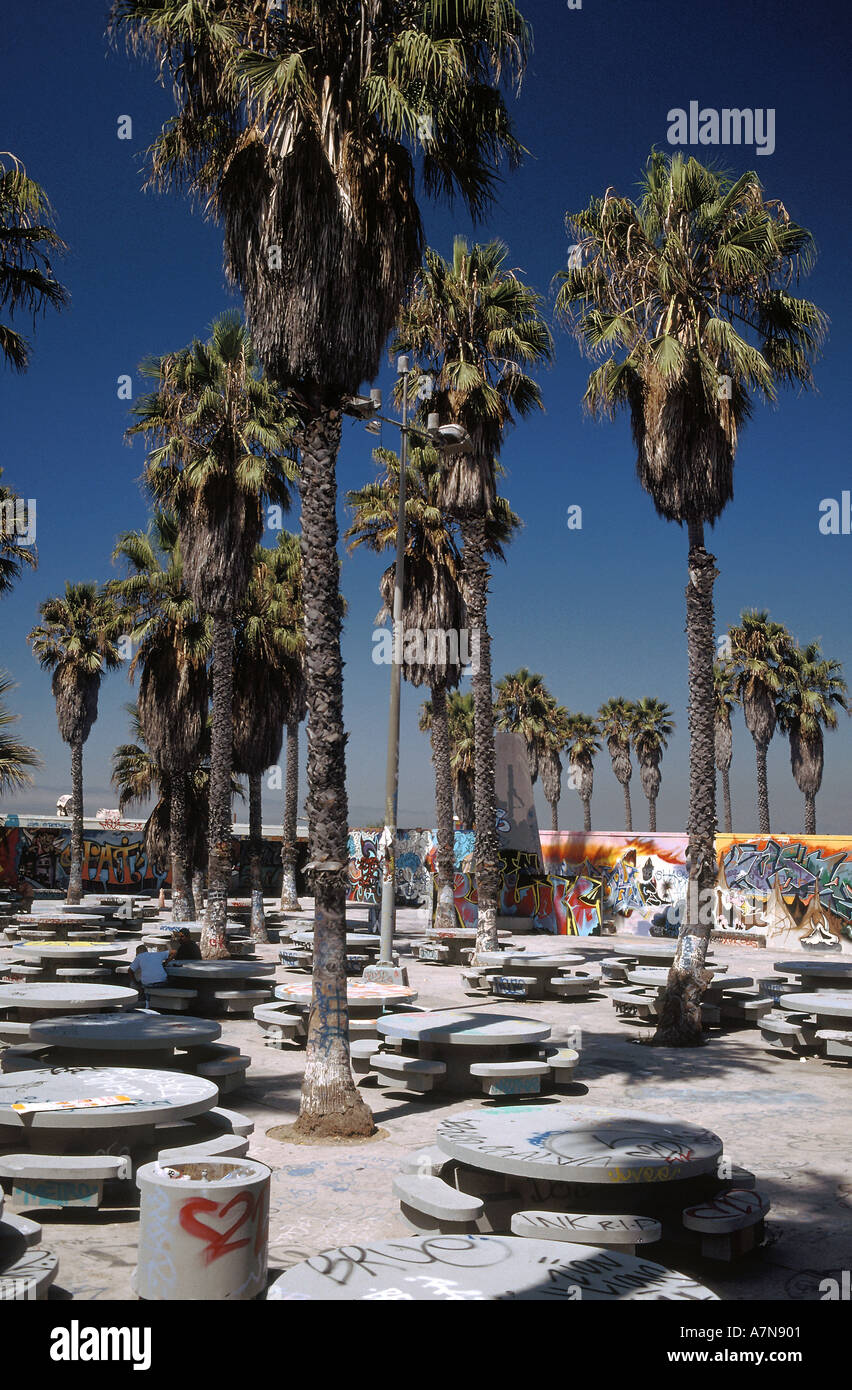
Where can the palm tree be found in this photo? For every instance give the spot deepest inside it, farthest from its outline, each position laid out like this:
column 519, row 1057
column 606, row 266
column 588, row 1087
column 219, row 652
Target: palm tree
column 616, row 719
column 806, row 706
column 686, row 294
column 761, row 652
column 76, row 640
column 265, row 648
column 137, row 776
column 461, row 740
column 27, row 239
column 290, row 582
column 725, row 698
column 549, row 761
column 433, row 607
column 652, row 727
column 523, row 706
column 477, row 329
column 296, row 129
column 582, row 746
column 14, row 553
column 15, row 758
column 172, row 652
column 219, row 434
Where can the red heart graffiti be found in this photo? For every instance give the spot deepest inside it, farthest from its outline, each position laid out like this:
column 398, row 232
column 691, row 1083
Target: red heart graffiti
column 218, row 1242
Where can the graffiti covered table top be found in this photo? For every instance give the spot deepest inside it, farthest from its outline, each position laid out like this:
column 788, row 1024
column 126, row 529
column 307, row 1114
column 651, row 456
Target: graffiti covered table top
column 132, row 1032
column 61, row 950
column 154, row 1095
column 480, row 1269
column 580, row 1144
column 458, row 933
column 522, row 961
column 357, row 992
column 365, row 939
column 832, row 1003
column 63, row 999
column 457, row 1028
column 196, row 970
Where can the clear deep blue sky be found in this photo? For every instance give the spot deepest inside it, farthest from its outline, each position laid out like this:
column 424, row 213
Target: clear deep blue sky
column 599, row 612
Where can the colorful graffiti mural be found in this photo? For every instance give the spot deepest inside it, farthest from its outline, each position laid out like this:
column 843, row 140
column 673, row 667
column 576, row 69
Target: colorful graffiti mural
column 795, row 891
column 414, row 854
column 642, row 878
column 112, row 859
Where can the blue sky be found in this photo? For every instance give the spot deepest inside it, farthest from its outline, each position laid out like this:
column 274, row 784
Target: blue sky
column 600, row 611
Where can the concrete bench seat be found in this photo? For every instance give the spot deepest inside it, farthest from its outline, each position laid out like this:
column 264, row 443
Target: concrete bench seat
column 224, row 1146
column 414, row 1073
column 838, row 1043
column 226, row 1121
column 240, row 1001
column 361, row 1053
column 61, row 1180
column 512, row 986
column 13, row 1031
column 29, row 1276
column 622, row 1233
column 430, row 1204
column 433, row 953
column 786, row 1032
column 167, row 1000
column 227, row 1072
column 279, row 1023
column 510, row 1078
column 569, row 986
column 295, row 960
column 363, row 1029
column 426, row 1163
column 729, row 1226
column 639, row 1002
column 85, row 974
column 562, row 1062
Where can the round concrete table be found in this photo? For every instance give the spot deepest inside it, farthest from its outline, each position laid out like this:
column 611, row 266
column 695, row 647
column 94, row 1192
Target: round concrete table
column 480, row 1269
column 580, row 1144
column 459, row 1039
column 111, row 1034
column 209, row 977
column 363, row 997
column 658, row 978
column 56, row 955
column 836, row 974
column 363, row 940
column 827, row 1004
column 38, row 1000
column 540, row 968
column 456, row 938
column 156, row 1097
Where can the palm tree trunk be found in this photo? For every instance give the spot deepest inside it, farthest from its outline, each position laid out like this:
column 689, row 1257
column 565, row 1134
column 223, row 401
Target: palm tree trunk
column 587, row 814
column 810, row 813
column 652, row 812
column 213, row 943
column 554, row 815
column 762, row 789
column 726, row 797
column 330, row 1103
column 289, row 848
column 257, row 921
column 445, row 874
column 628, row 809
column 679, row 1023
column 75, row 868
column 183, row 906
column 198, row 890
column 486, row 848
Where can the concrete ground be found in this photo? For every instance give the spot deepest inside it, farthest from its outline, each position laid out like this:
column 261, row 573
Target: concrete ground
column 785, row 1120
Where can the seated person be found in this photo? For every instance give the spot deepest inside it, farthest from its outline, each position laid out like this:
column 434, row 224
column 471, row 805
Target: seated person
column 186, row 948
column 148, row 967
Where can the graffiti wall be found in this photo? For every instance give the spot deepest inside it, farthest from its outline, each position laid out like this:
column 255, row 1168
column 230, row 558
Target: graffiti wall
column 642, row 878
column 113, row 860
column 797, row 891
column 414, row 853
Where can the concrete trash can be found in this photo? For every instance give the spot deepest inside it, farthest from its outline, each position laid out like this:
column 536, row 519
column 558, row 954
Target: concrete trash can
column 203, row 1229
